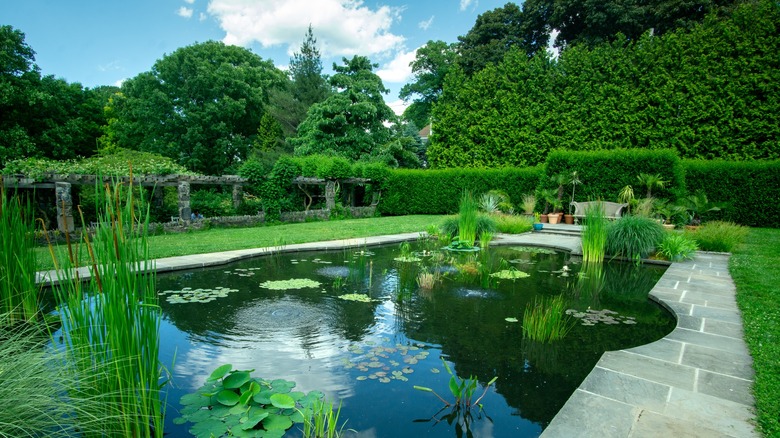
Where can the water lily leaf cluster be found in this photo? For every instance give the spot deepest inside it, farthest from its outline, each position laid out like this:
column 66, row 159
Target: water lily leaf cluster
column 510, row 274
column 591, row 317
column 385, row 363
column 533, row 249
column 293, row 283
column 407, row 259
column 233, row 403
column 243, row 272
column 190, row 295
column 362, row 298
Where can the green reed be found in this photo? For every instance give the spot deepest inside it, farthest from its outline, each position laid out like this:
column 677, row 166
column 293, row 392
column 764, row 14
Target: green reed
column 545, row 320
column 467, row 219
column 323, row 422
column 594, row 234
column 19, row 295
column 113, row 324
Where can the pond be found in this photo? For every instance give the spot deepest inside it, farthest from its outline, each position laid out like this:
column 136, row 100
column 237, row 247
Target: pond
column 369, row 354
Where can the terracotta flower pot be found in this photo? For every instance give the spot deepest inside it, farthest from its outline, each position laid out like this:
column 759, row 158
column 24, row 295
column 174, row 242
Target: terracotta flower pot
column 543, row 218
column 569, row 219
column 554, row 218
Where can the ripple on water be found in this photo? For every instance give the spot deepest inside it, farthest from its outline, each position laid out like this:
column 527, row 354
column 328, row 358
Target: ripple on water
column 334, row 271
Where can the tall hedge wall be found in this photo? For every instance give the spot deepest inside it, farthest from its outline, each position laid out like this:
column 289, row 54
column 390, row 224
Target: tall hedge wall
column 751, row 188
column 438, row 191
column 604, row 173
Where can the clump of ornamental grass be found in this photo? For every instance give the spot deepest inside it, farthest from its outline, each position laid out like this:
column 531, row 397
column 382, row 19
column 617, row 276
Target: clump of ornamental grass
column 468, row 216
column 19, row 295
column 512, row 224
column 634, row 237
column 323, row 422
column 545, row 320
column 677, row 246
column 718, row 236
column 594, row 234
column 113, row 322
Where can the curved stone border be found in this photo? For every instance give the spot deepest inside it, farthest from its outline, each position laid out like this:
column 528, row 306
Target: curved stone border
column 695, row 382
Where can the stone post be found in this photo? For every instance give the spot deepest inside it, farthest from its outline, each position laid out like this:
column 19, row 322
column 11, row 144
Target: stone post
column 330, row 195
column 238, row 195
column 64, row 207
column 184, row 200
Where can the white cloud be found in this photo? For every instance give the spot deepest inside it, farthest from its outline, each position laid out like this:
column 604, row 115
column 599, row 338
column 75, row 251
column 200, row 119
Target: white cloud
column 111, row 66
column 424, row 25
column 189, row 2
column 465, row 4
column 202, row 17
column 398, row 106
column 342, row 27
column 398, row 69
column 120, row 82
column 184, row 12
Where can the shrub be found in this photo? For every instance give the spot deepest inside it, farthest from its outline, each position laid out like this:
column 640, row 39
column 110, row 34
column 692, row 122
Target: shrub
column 210, row 203
column 677, row 246
column 512, row 224
column 718, row 236
column 634, row 237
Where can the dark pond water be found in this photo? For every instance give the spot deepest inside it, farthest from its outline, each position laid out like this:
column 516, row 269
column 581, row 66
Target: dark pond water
column 311, row 336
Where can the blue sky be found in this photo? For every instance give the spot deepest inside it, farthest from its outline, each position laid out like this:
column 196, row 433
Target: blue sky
column 102, row 42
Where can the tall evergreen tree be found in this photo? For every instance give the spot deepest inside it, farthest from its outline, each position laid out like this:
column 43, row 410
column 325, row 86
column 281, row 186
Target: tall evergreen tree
column 309, row 86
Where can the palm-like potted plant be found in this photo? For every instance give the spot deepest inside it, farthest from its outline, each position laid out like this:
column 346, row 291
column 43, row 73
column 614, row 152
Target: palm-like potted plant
column 698, row 204
column 670, row 213
column 548, row 195
column 573, row 180
column 561, row 179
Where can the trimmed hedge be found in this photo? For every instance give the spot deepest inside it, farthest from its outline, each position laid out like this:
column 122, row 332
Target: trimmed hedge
column 409, row 191
column 604, row 173
column 751, row 189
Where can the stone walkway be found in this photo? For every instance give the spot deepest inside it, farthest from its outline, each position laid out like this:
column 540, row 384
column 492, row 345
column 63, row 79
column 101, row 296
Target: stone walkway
column 695, row 382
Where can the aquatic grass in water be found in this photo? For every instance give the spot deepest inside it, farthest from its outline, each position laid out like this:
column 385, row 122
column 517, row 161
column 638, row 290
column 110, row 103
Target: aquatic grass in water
column 545, row 320
column 594, row 234
column 19, row 295
column 323, row 422
column 467, row 219
column 114, row 324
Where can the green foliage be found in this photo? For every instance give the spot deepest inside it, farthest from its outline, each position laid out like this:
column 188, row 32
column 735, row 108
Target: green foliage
column 200, row 105
column 467, row 219
column 494, row 33
column 233, row 403
column 438, row 191
column 544, row 321
column 115, row 163
column 111, row 336
column 605, row 173
column 462, row 390
column 512, row 224
column 677, row 246
column 19, row 295
column 431, row 64
column 718, row 236
column 750, row 189
column 349, row 123
column 708, row 92
column 634, row 237
column 594, row 234
column 211, row 203
column 323, row 422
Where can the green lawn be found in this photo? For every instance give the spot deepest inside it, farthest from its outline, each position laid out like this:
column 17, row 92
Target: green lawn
column 755, row 268
column 225, row 239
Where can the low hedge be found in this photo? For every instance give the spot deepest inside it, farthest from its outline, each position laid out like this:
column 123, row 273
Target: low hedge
column 408, row 191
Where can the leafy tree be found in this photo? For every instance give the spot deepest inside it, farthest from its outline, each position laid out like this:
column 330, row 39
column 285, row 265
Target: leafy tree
column 431, row 64
column 493, row 35
column 351, row 122
column 201, row 105
column 307, row 86
column 269, row 134
column 43, row 116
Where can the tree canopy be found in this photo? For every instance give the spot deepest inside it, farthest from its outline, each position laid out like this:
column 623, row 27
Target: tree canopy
column 711, row 91
column 201, row 105
column 431, row 64
column 351, row 122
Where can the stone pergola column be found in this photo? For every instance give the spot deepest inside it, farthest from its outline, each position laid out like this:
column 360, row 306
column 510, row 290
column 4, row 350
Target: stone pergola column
column 330, row 195
column 64, row 207
column 238, row 195
column 185, row 211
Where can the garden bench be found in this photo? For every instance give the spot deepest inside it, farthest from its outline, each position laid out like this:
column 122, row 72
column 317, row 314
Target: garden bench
column 612, row 210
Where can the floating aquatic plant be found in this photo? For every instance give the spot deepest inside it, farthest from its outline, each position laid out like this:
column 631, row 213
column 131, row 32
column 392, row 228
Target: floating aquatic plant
column 510, row 274
column 363, row 298
column 533, row 249
column 510, row 319
column 293, row 283
column 385, row 363
column 190, row 295
column 233, row 403
column 407, row 259
column 591, row 317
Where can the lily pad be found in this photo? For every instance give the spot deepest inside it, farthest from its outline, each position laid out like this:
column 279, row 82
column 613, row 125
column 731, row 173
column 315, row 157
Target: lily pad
column 510, row 319
column 293, row 283
column 227, row 397
column 510, row 274
column 363, row 298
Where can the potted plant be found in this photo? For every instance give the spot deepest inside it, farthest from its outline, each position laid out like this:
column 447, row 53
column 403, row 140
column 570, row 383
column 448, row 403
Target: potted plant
column 549, row 198
column 561, row 180
column 556, row 217
column 669, row 213
column 573, row 180
column 537, row 222
column 698, row 204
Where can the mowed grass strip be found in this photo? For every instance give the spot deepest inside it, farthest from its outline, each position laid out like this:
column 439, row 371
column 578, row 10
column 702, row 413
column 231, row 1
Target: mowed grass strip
column 755, row 268
column 227, row 239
